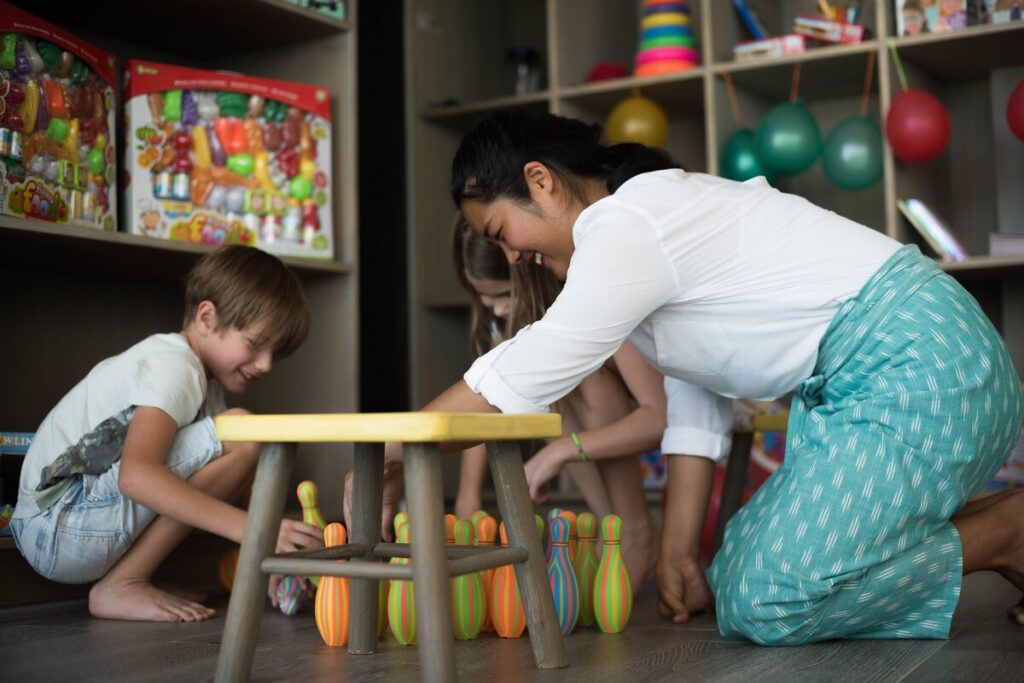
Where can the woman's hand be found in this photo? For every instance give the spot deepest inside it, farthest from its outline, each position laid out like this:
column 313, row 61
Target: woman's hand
column 545, row 466
column 392, row 495
column 683, row 590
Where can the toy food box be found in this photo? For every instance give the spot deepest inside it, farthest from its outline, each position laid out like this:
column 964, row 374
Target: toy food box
column 56, row 124
column 220, row 158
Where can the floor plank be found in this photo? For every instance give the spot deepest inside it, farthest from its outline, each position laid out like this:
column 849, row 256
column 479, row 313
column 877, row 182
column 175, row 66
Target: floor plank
column 61, row 642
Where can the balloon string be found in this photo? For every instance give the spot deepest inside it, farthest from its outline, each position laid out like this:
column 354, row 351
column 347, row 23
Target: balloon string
column 899, row 65
column 732, row 100
column 796, row 82
column 867, row 83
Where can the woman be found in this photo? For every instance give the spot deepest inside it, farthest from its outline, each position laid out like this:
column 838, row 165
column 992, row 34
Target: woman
column 616, row 412
column 906, row 399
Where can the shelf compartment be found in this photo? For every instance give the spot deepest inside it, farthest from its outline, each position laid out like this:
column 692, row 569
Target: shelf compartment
column 727, row 29
column 69, row 247
column 459, row 114
column 966, row 55
column 825, row 74
column 680, row 94
column 617, row 23
column 173, row 26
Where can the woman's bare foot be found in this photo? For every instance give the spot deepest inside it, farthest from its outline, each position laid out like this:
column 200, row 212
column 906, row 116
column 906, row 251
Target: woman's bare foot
column 993, row 538
column 139, row 600
column 640, row 545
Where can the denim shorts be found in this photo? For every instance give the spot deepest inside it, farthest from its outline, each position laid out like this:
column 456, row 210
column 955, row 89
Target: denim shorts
column 81, row 536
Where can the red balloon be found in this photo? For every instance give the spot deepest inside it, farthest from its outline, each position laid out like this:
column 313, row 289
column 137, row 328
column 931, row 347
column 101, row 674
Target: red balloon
column 917, row 126
column 1015, row 111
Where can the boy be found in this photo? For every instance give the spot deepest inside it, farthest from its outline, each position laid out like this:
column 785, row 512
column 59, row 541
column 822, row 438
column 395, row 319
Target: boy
column 128, row 461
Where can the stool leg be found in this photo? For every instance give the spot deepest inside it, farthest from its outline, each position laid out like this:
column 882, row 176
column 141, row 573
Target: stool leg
column 735, row 482
column 531, row 576
column 423, row 490
column 366, row 505
column 266, row 507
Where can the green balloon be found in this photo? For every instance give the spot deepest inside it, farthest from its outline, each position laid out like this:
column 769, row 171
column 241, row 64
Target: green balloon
column 300, row 187
column 242, row 164
column 787, row 139
column 852, row 157
column 739, row 161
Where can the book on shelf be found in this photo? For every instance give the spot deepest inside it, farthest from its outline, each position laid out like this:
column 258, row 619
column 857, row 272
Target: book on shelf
column 1006, row 243
column 932, row 229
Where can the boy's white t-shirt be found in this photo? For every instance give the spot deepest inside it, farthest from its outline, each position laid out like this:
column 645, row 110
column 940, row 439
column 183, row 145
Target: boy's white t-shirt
column 85, row 432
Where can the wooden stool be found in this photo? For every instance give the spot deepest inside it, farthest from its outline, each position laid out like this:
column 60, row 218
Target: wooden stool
column 738, row 463
column 430, row 568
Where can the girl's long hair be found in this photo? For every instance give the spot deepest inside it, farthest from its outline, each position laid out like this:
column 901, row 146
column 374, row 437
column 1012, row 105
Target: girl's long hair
column 533, row 289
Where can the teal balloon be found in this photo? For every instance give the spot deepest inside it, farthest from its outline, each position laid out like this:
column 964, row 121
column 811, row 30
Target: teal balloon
column 739, row 161
column 787, row 139
column 852, row 157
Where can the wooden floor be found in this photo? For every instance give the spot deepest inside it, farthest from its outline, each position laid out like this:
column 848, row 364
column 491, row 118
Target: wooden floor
column 61, row 643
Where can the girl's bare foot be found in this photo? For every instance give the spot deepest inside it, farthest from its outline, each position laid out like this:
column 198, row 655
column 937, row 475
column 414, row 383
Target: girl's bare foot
column 138, row 600
column 640, row 545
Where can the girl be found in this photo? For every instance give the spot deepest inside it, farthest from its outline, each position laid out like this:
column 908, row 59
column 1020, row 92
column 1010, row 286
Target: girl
column 619, row 409
column 906, row 399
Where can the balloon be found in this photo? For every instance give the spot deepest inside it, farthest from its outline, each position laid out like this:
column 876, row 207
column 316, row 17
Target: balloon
column 1015, row 111
column 787, row 138
column 637, row 119
column 852, row 157
column 738, row 160
column 917, row 126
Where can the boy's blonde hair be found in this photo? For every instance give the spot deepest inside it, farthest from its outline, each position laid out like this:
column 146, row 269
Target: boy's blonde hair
column 248, row 286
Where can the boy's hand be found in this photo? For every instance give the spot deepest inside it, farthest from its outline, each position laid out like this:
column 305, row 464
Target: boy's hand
column 392, row 495
column 296, row 535
column 682, row 589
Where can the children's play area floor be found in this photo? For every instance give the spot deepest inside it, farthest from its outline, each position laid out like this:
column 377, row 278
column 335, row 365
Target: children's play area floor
column 62, row 643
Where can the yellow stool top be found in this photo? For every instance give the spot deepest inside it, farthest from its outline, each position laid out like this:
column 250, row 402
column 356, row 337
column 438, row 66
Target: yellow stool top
column 413, row 427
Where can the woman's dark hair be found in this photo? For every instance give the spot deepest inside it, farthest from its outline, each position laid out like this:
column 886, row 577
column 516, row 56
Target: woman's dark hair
column 490, row 160
column 532, row 289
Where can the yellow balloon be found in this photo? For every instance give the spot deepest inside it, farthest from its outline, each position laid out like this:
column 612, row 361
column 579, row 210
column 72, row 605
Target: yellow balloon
column 637, row 119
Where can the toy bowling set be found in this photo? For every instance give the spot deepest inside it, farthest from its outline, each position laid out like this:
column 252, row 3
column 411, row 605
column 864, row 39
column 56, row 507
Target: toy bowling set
column 219, row 158
column 56, row 124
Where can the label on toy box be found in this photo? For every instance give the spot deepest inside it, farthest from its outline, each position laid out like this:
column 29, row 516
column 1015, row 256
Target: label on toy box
column 56, row 124
column 220, row 158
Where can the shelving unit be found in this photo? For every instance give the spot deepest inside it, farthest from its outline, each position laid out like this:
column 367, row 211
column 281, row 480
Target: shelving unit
column 74, row 296
column 454, row 51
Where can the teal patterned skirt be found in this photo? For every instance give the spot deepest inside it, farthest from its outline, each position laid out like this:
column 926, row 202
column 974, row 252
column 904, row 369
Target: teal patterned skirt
column 913, row 406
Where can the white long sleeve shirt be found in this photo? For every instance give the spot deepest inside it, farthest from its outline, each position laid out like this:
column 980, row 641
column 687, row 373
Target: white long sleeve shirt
column 726, row 287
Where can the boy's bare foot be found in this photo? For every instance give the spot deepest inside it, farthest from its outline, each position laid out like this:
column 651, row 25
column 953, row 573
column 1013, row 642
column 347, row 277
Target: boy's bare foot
column 139, row 600
column 183, row 593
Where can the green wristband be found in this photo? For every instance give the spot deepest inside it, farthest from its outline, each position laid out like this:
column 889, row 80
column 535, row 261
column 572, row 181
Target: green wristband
column 579, row 447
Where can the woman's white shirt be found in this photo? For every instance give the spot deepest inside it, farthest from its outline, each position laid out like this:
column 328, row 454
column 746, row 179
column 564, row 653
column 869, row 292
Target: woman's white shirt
column 725, row 287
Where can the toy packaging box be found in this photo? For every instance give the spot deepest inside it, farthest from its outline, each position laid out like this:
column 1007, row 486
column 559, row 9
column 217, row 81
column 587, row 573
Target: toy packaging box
column 220, row 158
column 13, row 447
column 56, row 124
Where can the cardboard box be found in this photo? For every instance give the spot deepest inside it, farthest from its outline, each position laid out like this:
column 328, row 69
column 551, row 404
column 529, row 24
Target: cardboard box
column 828, row 31
column 220, row 158
column 56, row 124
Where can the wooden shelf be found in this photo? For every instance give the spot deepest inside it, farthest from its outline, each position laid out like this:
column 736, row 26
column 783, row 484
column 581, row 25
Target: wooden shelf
column 986, row 267
column 965, row 55
column 825, row 73
column 681, row 93
column 458, row 114
column 195, row 26
column 41, row 244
